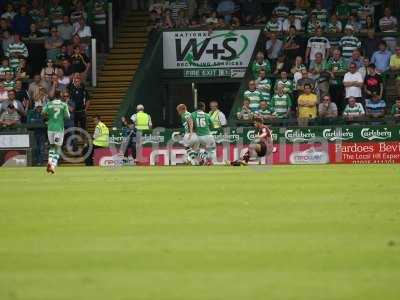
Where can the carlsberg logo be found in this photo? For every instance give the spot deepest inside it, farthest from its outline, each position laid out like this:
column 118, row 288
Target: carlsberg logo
column 376, row 134
column 333, row 135
column 299, row 135
column 251, row 135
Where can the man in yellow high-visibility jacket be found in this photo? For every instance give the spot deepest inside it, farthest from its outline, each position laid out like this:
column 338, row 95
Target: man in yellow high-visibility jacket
column 100, row 138
column 141, row 119
column 218, row 118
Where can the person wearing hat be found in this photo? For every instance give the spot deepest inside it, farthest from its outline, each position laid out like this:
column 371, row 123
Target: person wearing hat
column 141, row 120
column 10, row 117
column 349, row 42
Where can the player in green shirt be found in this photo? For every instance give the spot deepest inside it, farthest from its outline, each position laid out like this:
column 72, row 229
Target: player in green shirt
column 190, row 140
column 56, row 111
column 202, row 124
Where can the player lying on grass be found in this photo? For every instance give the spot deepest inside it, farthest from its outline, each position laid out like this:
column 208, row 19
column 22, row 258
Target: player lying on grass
column 263, row 145
column 56, row 111
column 202, row 123
column 190, row 139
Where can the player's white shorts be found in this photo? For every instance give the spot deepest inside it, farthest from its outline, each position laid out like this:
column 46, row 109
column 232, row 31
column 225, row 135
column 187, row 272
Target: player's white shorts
column 191, row 142
column 207, row 141
column 56, row 137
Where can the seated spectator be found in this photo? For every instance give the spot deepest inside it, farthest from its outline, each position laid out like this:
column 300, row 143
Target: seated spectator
column 317, row 44
column 373, row 83
column 64, row 55
column 313, row 24
column 368, row 25
column 22, row 22
column 34, row 34
column 316, row 66
column 10, row 13
column 34, row 11
column 265, row 111
column 375, row 106
column 4, row 25
column 56, row 13
column 395, row 111
column 53, row 44
column 389, row 24
column 48, row 71
column 280, row 64
column 281, row 11
column 63, row 79
column 395, row 67
column 357, row 59
column 65, row 29
column 289, row 22
column 76, row 41
column 35, row 85
column 307, row 104
column 349, row 42
column 334, row 25
column 226, row 8
column 281, row 103
column 16, row 49
column 245, row 113
column 292, row 44
column 273, row 25
column 3, row 94
column 260, row 63
column 84, row 31
column 43, row 23
column 273, row 47
column 19, row 107
column 370, row 43
column 10, row 117
column 80, row 63
column 9, row 82
column 327, row 109
column 353, row 82
column 298, row 65
column 353, row 110
column 286, row 83
column 4, row 68
column 253, row 95
column 354, row 22
column 303, row 81
column 41, row 98
column 78, row 12
column 381, row 58
column 320, row 12
column 263, row 85
column 21, row 71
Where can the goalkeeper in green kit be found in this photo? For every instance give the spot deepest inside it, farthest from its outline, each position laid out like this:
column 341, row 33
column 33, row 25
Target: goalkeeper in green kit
column 56, row 111
column 202, row 124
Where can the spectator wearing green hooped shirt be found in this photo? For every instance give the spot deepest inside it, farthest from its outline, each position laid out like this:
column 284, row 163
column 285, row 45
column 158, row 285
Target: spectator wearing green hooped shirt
column 253, row 95
column 274, row 24
column 285, row 82
column 300, row 14
column 281, row 103
column 263, row 85
column 395, row 111
column 265, row 111
column 259, row 64
column 349, row 42
column 98, row 15
column 320, row 12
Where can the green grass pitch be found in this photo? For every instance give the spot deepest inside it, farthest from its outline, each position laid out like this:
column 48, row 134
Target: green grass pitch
column 200, row 233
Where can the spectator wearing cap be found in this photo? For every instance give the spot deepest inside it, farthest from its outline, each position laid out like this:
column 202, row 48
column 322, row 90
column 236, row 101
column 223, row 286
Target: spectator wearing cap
column 395, row 66
column 373, row 83
column 349, row 42
column 381, row 58
column 217, row 117
column 141, row 120
column 375, row 106
column 353, row 82
column 10, row 117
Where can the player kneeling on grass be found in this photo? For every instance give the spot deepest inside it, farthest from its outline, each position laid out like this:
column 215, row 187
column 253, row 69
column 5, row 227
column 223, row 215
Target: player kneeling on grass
column 202, row 124
column 56, row 111
column 263, row 145
column 190, row 140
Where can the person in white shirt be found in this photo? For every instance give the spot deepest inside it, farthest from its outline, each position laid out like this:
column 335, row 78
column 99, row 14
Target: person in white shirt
column 81, row 29
column 316, row 44
column 291, row 21
column 389, row 24
column 353, row 82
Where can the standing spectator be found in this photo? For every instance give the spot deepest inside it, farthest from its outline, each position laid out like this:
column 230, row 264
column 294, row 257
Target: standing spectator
column 217, row 117
column 307, row 104
column 141, row 119
column 56, row 13
column 9, row 82
column 353, row 82
column 80, row 63
column 316, row 44
column 100, row 24
column 395, row 111
column 395, row 66
column 375, row 106
column 389, row 24
column 313, row 25
column 343, row 10
column 263, row 85
column 48, row 71
column 353, row 109
column 356, row 59
column 300, row 14
column 34, row 11
column 370, row 43
column 327, row 109
column 349, row 42
column 381, row 58
column 129, row 143
column 35, row 85
column 53, row 44
column 281, row 103
column 289, row 22
column 320, row 12
column 273, row 25
column 292, row 44
column 22, row 22
column 43, row 23
column 10, row 12
column 17, row 49
column 245, row 113
column 80, row 97
column 78, row 12
column 84, row 31
column 10, row 117
column 373, row 84
column 253, row 95
column 35, row 118
column 260, row 63
column 285, row 82
column 281, row 11
column 65, row 29
column 273, row 47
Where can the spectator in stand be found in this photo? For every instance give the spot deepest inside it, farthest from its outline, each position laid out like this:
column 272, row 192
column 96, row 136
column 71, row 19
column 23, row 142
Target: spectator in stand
column 4, row 68
column 316, row 66
column 35, row 85
column 80, row 63
column 80, row 97
column 265, row 111
column 375, row 106
column 16, row 49
column 35, row 117
column 373, row 84
column 21, row 94
column 356, row 59
column 281, row 102
column 167, row 21
column 84, row 31
column 334, row 25
column 354, row 23
column 63, row 54
column 292, row 44
column 53, row 44
column 298, row 65
column 273, row 25
column 395, row 66
column 65, row 29
column 34, row 11
column 316, row 44
column 313, row 25
column 353, row 82
column 289, row 22
column 178, row 5
column 395, row 111
column 389, row 24
column 273, row 47
column 19, row 107
column 307, row 105
column 263, row 85
column 78, row 12
column 353, row 110
column 3, row 93
column 76, row 41
column 366, row 10
column 9, row 82
column 300, row 14
column 99, row 11
column 349, row 42
column 253, row 95
column 56, row 13
column 182, row 20
column 343, row 10
column 327, row 109
column 21, row 22
column 370, row 43
column 67, row 68
column 250, row 11
column 337, row 67
column 304, row 80
column 245, row 113
column 4, row 25
column 320, row 12
column 368, row 25
column 34, row 33
column 217, row 117
column 43, row 23
column 281, row 11
column 225, row 8
column 10, row 12
column 48, row 71
column 381, row 58
column 41, row 97
column 10, row 117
